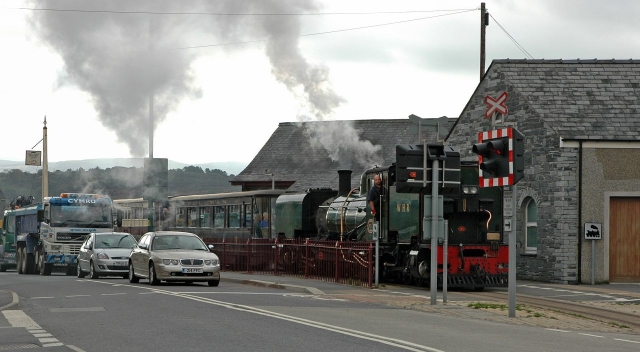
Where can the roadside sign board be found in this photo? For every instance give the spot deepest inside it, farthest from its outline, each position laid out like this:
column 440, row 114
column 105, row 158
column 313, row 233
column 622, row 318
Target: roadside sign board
column 33, row 158
column 592, row 231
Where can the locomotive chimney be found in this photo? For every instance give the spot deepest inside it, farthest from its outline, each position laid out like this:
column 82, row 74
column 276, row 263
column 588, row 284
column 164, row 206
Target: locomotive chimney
column 344, row 179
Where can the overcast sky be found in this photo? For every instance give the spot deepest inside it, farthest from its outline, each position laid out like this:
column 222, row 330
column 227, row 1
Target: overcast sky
column 223, row 74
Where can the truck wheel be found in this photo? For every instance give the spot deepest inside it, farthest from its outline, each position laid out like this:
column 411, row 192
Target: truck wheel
column 40, row 262
column 2, row 269
column 30, row 263
column 41, row 267
column 19, row 261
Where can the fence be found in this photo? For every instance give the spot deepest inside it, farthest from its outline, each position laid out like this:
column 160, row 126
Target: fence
column 342, row 262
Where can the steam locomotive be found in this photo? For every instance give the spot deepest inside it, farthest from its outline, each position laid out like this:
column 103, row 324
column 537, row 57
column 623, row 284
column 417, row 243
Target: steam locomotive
column 477, row 256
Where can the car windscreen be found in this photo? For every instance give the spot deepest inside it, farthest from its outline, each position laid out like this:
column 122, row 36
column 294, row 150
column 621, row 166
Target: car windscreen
column 178, row 242
column 115, row 241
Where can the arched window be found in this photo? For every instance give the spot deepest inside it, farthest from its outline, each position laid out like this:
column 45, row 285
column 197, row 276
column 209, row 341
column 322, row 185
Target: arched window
column 530, row 220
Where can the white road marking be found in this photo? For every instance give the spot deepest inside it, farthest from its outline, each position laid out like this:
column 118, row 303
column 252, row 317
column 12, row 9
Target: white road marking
column 580, row 333
column 19, row 319
column 627, row 340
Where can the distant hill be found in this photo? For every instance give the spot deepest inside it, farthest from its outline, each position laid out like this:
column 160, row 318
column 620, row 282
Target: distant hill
column 230, row 167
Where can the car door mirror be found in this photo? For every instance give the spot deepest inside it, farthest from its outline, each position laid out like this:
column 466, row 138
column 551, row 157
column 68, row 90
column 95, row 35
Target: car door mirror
column 210, row 247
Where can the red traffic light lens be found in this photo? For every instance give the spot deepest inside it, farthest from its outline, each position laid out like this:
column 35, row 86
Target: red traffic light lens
column 413, row 174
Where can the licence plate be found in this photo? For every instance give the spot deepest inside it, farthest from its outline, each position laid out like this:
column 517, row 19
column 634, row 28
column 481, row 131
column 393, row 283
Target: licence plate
column 192, row 271
column 120, row 263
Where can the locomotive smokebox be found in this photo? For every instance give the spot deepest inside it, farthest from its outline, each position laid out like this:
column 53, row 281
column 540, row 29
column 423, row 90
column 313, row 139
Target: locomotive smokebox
column 344, row 182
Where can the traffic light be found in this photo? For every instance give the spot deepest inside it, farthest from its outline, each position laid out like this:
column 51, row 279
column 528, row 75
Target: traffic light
column 500, row 157
column 493, row 156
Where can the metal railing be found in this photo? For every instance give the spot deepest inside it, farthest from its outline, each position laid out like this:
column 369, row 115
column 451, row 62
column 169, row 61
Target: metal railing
column 348, row 263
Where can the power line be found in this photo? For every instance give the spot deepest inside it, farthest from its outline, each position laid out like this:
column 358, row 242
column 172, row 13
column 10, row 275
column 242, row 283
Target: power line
column 229, row 14
column 513, row 39
column 327, row 32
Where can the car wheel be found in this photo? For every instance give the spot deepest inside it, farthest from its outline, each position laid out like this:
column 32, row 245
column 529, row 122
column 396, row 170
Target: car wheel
column 79, row 272
column 214, row 283
column 92, row 271
column 132, row 277
column 153, row 278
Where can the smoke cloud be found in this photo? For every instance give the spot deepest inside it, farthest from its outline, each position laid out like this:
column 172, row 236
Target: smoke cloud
column 341, row 140
column 123, row 52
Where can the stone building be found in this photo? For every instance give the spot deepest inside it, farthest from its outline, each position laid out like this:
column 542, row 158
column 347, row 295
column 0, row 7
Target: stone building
column 581, row 122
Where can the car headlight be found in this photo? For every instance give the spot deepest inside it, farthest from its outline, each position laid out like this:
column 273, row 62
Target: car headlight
column 102, row 256
column 170, row 261
column 213, row 262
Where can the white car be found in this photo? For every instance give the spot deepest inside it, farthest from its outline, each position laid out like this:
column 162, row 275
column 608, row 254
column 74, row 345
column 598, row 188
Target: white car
column 173, row 256
column 105, row 254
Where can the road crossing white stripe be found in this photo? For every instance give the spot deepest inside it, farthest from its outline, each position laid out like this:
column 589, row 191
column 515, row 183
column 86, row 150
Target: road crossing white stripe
column 18, row 319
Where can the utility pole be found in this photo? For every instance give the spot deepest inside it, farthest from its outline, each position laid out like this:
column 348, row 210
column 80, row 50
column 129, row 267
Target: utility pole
column 484, row 22
column 45, row 162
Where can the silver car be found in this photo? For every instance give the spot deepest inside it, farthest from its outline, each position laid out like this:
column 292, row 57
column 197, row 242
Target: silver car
column 105, row 254
column 173, row 256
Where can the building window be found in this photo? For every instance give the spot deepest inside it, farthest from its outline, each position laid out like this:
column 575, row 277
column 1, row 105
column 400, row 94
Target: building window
column 530, row 220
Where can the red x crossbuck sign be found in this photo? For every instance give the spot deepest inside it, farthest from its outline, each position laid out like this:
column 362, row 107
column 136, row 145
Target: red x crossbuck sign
column 496, row 106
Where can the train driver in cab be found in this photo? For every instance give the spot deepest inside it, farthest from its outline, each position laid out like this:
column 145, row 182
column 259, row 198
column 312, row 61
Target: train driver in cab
column 374, row 197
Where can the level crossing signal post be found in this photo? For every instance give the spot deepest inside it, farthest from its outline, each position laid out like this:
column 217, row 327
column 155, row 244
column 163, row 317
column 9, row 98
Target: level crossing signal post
column 501, row 163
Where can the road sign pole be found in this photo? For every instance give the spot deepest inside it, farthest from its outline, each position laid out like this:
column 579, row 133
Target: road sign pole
column 434, row 230
column 512, row 256
column 445, row 253
column 593, row 261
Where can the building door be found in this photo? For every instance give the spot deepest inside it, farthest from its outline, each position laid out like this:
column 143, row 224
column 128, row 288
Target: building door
column 624, row 240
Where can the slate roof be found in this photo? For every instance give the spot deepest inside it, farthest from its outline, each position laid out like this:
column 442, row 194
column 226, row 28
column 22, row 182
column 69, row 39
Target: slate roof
column 579, row 99
column 295, row 151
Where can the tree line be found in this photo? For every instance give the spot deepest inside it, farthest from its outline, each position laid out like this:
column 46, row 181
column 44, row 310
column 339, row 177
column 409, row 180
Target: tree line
column 116, row 182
